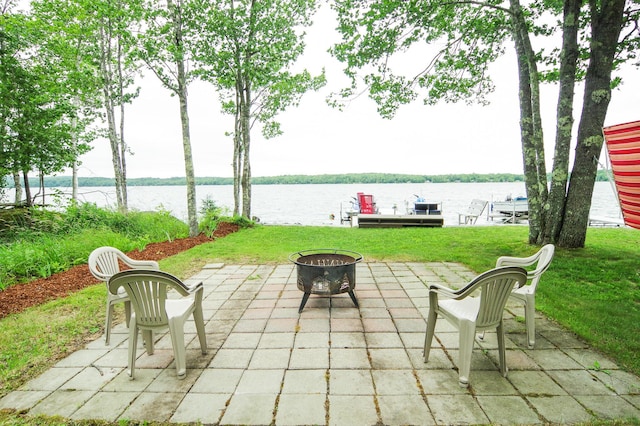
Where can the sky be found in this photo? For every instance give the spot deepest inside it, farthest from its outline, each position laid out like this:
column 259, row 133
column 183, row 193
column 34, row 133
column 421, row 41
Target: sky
column 318, row 139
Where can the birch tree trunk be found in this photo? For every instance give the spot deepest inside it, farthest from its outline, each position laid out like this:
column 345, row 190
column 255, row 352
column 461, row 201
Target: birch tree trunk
column 192, row 213
column 530, row 123
column 606, row 24
column 554, row 210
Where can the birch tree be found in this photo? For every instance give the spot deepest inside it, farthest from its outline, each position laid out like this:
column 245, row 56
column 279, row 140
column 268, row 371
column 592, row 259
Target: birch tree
column 164, row 47
column 247, row 51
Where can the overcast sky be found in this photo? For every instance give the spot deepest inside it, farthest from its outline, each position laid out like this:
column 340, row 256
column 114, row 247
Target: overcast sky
column 317, row 139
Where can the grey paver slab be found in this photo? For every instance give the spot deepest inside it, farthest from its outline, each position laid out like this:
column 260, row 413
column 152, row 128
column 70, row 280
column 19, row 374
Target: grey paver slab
column 609, row 406
column 404, row 410
column 305, row 381
column 352, row 410
column 201, row 407
column 23, row 399
column 351, row 382
column 260, row 381
column 508, row 410
column 349, row 358
column 395, row 359
column 395, row 382
column 214, row 381
column 579, row 382
column 559, row 409
column 250, row 409
column 62, row 403
column 106, row 405
column 153, row 406
column 301, row 409
column 466, row 409
column 535, row 383
column 309, row 358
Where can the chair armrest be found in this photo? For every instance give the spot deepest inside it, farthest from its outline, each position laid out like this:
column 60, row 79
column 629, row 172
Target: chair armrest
column 442, row 290
column 196, row 287
column 142, row 264
column 516, row 261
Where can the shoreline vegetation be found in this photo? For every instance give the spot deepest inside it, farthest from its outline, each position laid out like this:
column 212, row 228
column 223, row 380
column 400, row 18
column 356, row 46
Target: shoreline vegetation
column 65, row 181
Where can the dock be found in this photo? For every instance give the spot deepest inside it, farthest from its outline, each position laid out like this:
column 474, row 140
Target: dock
column 399, row 221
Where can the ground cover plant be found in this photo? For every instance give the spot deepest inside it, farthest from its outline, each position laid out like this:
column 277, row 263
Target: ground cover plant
column 593, row 291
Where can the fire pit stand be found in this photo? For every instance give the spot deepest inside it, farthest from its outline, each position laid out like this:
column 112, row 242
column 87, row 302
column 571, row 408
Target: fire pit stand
column 326, row 271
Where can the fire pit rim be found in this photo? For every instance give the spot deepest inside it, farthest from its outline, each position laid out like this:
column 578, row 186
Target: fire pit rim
column 357, row 258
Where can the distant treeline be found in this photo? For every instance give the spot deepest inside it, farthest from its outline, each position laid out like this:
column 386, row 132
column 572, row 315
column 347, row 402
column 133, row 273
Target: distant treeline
column 65, row 181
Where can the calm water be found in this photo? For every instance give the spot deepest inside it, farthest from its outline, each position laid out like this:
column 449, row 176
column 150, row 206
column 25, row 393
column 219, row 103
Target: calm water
column 314, row 204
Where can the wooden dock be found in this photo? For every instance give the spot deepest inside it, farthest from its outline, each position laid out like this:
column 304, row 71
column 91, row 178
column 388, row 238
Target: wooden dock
column 399, row 221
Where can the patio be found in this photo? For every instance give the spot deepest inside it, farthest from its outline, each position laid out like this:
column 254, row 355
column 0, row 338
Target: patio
column 334, row 363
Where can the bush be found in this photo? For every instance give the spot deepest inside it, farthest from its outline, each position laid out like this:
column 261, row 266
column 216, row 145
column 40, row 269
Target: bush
column 210, row 215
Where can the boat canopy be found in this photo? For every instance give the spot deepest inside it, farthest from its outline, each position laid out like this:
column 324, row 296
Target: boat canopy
column 623, row 145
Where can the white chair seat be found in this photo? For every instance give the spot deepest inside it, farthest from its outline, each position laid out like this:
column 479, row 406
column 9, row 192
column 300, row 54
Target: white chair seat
column 465, row 309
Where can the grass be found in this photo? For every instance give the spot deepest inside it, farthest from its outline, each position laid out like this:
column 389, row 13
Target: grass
column 593, row 291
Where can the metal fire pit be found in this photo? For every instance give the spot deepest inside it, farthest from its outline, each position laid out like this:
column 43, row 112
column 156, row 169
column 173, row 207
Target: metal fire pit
column 326, row 271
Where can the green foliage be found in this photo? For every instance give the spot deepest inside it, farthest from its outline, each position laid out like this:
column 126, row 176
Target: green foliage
column 210, row 215
column 50, row 242
column 462, row 40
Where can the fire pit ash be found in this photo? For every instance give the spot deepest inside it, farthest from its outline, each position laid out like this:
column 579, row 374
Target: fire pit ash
column 326, row 271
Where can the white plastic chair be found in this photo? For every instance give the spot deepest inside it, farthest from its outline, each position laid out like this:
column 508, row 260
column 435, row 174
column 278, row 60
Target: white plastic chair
column 103, row 264
column 469, row 314
column 154, row 311
column 527, row 294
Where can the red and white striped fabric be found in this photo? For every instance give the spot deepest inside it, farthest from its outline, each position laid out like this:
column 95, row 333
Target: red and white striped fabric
column 623, row 145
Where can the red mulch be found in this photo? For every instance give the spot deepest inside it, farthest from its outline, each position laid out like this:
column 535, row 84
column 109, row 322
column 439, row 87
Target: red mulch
column 17, row 298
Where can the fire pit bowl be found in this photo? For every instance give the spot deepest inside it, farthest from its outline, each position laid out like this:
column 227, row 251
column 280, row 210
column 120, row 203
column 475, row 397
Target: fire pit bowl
column 326, row 271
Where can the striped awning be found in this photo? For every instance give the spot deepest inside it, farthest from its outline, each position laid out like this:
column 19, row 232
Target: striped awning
column 623, row 145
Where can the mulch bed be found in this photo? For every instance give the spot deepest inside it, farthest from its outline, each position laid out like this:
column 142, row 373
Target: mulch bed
column 18, row 297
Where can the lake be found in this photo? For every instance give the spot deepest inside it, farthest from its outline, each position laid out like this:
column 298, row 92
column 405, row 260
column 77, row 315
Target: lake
column 315, row 204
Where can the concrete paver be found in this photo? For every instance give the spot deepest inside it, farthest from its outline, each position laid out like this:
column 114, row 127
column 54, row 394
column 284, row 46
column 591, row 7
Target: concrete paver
column 334, row 364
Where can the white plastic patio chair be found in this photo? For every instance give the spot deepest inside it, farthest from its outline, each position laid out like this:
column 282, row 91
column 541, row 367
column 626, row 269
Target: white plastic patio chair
column 470, row 314
column 154, row 311
column 527, row 293
column 103, row 264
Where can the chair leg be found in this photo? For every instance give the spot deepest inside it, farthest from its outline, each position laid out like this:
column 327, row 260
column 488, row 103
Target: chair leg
column 176, row 330
column 127, row 312
column 133, row 345
column 530, row 319
column 198, row 318
column 428, row 338
column 502, row 350
column 107, row 324
column 467, row 337
column 147, row 340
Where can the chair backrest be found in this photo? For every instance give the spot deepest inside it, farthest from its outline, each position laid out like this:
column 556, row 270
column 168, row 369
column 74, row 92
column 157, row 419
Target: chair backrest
column 542, row 260
column 147, row 291
column 477, row 207
column 495, row 287
column 103, row 262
